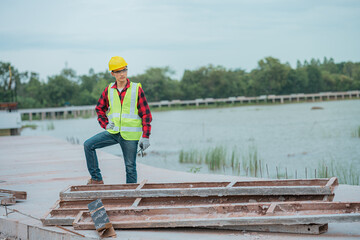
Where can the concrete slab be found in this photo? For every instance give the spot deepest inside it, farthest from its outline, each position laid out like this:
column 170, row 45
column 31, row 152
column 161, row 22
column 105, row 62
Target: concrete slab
column 43, row 166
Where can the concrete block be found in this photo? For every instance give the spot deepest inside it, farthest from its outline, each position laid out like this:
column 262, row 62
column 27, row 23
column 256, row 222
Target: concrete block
column 12, row 228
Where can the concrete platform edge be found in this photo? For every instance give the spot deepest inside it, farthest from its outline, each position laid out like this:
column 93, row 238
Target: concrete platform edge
column 14, row 229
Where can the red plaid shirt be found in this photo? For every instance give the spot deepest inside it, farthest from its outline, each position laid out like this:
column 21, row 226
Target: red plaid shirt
column 142, row 105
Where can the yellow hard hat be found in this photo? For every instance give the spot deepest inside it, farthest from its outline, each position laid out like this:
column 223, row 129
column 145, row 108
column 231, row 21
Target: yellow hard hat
column 117, row 63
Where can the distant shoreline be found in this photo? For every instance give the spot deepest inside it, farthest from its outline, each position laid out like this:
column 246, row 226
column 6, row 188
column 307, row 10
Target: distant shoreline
column 230, row 105
column 89, row 111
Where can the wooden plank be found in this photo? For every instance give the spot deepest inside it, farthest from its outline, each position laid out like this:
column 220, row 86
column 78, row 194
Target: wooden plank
column 203, row 192
column 19, row 195
column 229, row 215
column 314, row 229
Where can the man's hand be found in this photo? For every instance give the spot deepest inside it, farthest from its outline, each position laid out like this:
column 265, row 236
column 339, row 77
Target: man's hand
column 144, row 143
column 110, row 125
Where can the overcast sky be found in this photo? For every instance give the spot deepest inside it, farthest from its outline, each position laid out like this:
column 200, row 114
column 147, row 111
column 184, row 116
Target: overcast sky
column 44, row 36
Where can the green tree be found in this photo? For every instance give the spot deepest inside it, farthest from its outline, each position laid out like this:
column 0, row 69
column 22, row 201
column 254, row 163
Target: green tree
column 315, row 81
column 213, row 82
column 329, row 81
column 158, row 85
column 329, row 65
column 9, row 89
column 271, row 76
column 31, row 94
column 59, row 91
column 100, row 87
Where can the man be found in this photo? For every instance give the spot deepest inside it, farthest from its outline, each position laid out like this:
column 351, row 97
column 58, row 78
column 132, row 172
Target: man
column 127, row 122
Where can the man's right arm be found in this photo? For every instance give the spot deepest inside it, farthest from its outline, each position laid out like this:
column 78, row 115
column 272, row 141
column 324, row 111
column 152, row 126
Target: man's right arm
column 102, row 107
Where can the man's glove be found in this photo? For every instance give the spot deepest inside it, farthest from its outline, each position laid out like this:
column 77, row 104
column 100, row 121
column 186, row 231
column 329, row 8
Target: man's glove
column 110, row 126
column 144, row 143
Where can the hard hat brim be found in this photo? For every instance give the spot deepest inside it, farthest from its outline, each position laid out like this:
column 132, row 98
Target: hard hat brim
column 118, row 69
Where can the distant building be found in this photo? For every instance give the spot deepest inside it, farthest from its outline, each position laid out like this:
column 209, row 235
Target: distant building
column 10, row 119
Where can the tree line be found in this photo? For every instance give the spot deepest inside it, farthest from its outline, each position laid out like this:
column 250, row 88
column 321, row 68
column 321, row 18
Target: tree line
column 268, row 78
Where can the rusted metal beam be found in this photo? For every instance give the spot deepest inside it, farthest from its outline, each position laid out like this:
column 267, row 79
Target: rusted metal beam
column 314, row 229
column 288, row 182
column 64, row 211
column 260, row 188
column 289, row 213
column 141, row 185
column 19, row 195
column 204, row 192
column 7, row 199
column 75, row 198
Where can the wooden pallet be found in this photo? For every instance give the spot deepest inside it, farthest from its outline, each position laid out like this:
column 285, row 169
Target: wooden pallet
column 258, row 214
column 298, row 187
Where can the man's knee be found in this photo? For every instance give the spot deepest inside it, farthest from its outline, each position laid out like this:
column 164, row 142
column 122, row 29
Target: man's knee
column 87, row 144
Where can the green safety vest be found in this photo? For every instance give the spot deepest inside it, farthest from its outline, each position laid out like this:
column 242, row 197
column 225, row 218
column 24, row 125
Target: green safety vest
column 125, row 116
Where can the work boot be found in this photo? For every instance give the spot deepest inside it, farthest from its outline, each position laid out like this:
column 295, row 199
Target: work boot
column 92, row 181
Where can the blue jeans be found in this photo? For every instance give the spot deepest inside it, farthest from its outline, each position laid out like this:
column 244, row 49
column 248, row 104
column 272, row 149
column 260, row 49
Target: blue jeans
column 105, row 139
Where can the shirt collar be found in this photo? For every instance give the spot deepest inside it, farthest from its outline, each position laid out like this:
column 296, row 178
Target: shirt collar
column 126, row 86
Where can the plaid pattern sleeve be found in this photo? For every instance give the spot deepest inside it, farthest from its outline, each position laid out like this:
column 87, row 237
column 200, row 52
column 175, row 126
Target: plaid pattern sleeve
column 101, row 108
column 144, row 113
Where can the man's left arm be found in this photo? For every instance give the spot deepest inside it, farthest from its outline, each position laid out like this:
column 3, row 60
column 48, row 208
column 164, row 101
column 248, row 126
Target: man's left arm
column 144, row 113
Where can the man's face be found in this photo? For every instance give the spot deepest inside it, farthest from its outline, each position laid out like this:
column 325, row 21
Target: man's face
column 120, row 75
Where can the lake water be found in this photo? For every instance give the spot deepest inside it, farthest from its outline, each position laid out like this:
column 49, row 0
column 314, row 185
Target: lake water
column 291, row 136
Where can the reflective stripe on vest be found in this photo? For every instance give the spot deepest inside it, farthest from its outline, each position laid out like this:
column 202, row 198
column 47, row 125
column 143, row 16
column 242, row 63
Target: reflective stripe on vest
column 127, row 121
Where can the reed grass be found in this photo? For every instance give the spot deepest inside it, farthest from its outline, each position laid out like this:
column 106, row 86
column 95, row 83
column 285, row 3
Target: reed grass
column 346, row 174
column 50, row 126
column 215, row 158
column 192, row 156
column 356, row 133
column 249, row 164
column 32, row 126
column 195, row 169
